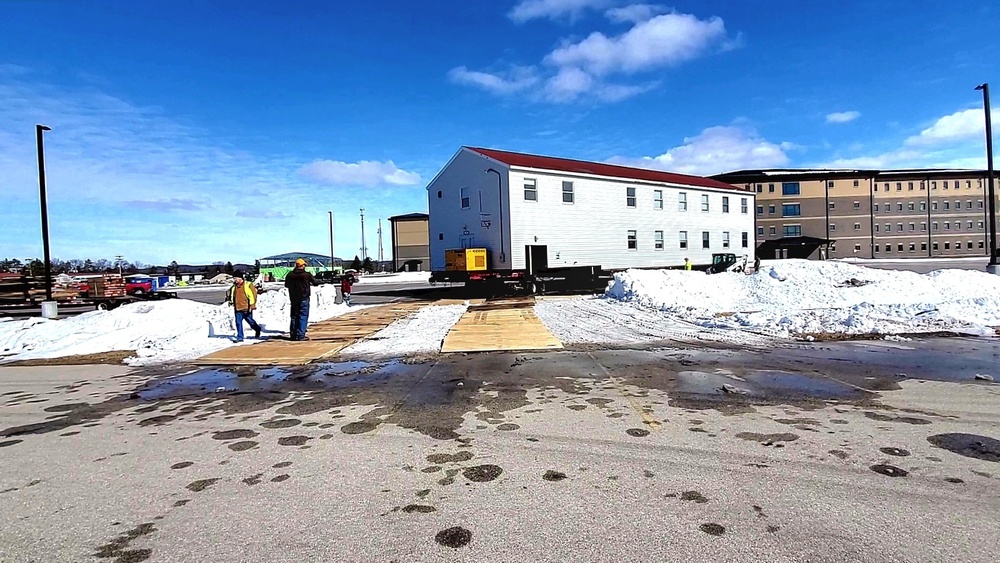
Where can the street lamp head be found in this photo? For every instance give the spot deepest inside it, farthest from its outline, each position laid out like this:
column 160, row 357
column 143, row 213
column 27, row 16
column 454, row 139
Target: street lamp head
column 44, row 127
column 981, row 86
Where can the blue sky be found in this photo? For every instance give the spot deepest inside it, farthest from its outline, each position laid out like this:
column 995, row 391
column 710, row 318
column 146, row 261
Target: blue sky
column 202, row 131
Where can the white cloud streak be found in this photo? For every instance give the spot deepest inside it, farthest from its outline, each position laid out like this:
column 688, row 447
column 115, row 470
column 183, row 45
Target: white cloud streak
column 517, row 79
column 364, row 173
column 842, row 116
column 527, row 10
column 714, row 150
column 635, row 13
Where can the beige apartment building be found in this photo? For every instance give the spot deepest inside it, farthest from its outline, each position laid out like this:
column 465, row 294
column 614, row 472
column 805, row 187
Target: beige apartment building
column 410, row 242
column 916, row 213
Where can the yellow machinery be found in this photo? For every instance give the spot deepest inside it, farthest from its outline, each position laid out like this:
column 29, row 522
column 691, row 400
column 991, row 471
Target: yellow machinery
column 466, row 260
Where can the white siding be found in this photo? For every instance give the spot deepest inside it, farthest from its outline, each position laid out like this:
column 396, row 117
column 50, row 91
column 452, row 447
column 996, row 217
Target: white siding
column 594, row 229
column 479, row 225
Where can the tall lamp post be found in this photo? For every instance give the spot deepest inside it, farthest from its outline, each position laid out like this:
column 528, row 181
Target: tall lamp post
column 331, row 241
column 48, row 308
column 993, row 267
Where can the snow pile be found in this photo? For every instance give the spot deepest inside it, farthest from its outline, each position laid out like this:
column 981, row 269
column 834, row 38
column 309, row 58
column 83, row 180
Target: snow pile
column 422, row 332
column 798, row 296
column 159, row 331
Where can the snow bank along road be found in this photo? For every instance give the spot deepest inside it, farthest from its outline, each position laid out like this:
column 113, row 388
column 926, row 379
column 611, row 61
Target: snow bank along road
column 788, row 299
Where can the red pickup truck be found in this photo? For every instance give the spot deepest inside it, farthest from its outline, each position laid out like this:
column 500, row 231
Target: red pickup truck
column 133, row 286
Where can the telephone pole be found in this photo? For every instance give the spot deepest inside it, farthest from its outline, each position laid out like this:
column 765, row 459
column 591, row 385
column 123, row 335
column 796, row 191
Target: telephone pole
column 380, row 258
column 364, row 247
column 331, row 241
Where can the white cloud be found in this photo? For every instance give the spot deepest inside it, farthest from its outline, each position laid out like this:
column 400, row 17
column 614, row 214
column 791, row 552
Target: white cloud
column 516, row 80
column 714, row 150
column 363, row 173
column 527, row 10
column 842, row 116
column 665, row 40
column 635, row 13
column 959, row 126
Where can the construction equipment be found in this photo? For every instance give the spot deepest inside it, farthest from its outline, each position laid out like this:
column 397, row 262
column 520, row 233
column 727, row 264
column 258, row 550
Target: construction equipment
column 727, row 262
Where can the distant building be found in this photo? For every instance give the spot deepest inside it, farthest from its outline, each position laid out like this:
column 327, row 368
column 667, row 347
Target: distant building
column 280, row 264
column 912, row 213
column 410, row 242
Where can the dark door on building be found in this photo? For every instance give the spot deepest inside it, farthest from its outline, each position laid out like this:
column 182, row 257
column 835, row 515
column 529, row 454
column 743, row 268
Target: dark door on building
column 536, row 258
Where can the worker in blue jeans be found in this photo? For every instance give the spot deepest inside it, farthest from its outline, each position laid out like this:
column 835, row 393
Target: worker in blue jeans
column 243, row 296
column 299, row 283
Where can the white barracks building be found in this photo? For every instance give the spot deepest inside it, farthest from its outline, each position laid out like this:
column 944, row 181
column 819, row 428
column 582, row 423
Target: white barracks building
column 558, row 212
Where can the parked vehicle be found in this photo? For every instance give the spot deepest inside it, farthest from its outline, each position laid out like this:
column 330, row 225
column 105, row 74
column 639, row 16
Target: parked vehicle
column 727, row 262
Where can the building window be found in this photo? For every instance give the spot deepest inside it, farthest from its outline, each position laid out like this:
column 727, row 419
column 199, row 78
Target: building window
column 833, row 227
column 899, row 227
column 968, row 224
column 968, row 184
column 633, row 242
column 910, row 206
column 923, row 186
column 913, row 247
column 887, row 186
column 980, row 225
column 657, row 199
column 857, row 205
column 682, row 201
column 530, row 190
column 923, row 227
column 791, row 210
column 683, row 237
column 704, row 202
column 947, row 226
column 979, row 204
column 439, row 194
column 725, row 239
column 968, row 204
column 913, row 226
column 888, row 227
column 958, row 225
column 981, row 244
column 857, row 226
column 923, row 246
column 947, row 206
column 934, row 187
column 440, row 236
column 770, row 210
column 725, row 204
column 899, row 186
column 705, row 240
column 934, row 247
column 746, row 239
column 923, row 206
column 944, row 184
column 567, row 191
column 899, row 207
column 857, row 248
column 770, row 188
column 856, row 183
column 876, row 248
column 465, row 198
column 791, row 230
column 933, row 206
column 772, row 231
column 658, row 240
column 760, row 210
column 888, row 248
column 876, row 208
column 760, row 231
column 899, row 247
column 876, row 227
column 829, row 183
column 744, row 206
column 832, row 205
column 958, row 206
column 909, row 186
column 789, row 188
column 760, row 188
column 968, row 245
column 934, row 226
column 947, row 246
column 630, row 197
column 888, row 208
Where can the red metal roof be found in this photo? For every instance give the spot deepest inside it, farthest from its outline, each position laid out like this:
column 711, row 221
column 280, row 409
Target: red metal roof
column 600, row 169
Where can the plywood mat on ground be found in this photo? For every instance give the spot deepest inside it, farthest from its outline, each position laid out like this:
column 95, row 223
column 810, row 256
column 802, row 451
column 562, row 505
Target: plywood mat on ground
column 488, row 328
column 326, row 338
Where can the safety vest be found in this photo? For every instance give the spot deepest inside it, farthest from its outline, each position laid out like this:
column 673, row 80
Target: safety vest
column 246, row 289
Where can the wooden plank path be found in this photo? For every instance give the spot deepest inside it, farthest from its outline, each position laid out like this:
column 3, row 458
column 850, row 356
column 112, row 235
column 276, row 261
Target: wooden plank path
column 500, row 325
column 326, row 338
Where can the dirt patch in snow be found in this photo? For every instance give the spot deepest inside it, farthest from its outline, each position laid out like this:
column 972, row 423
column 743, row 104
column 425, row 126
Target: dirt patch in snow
column 116, row 357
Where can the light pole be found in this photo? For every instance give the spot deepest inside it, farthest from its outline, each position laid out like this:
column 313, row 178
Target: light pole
column 119, row 259
column 331, row 241
column 364, row 247
column 993, row 267
column 39, row 129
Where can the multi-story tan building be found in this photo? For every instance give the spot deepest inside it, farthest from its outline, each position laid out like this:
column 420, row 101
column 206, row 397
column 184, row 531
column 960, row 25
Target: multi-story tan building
column 410, row 242
column 916, row 213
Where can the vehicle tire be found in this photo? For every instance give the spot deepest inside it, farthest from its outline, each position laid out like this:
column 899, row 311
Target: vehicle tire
column 103, row 306
column 138, row 292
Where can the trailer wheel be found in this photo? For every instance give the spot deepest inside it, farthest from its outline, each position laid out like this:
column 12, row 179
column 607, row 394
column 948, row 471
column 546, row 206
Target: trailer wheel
column 103, row 306
column 138, row 292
